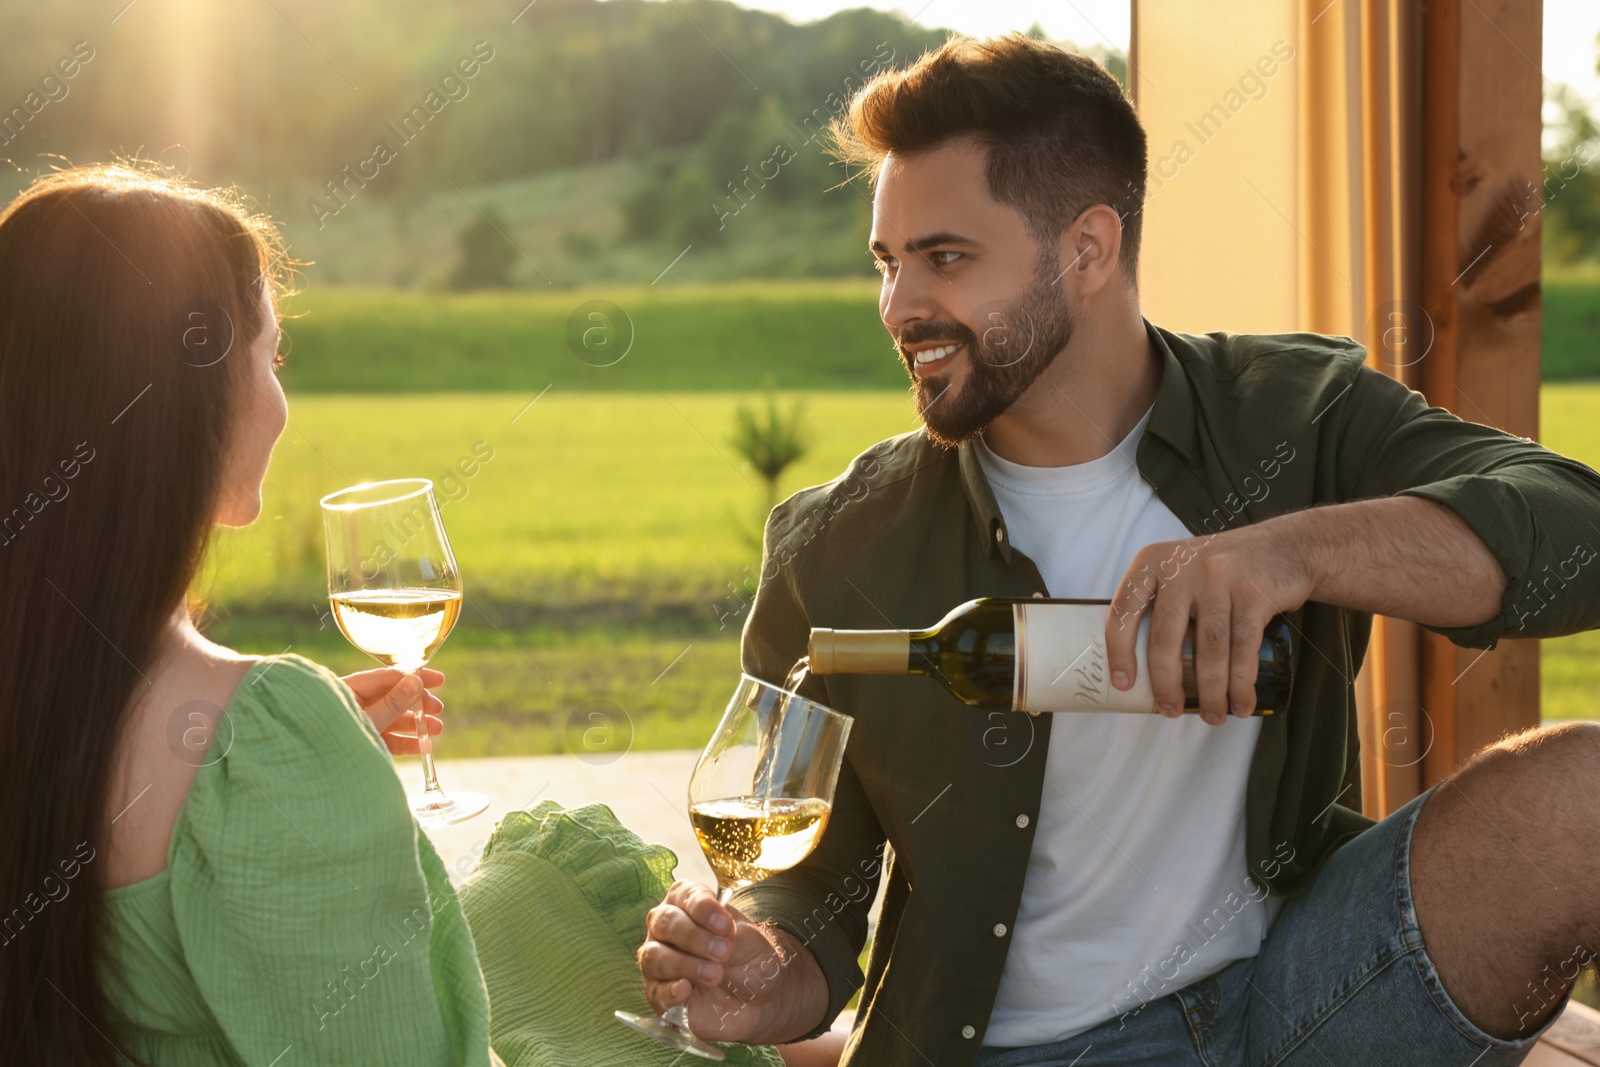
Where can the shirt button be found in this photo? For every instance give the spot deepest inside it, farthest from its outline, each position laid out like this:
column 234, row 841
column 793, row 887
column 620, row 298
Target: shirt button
column 999, row 534
column 968, row 1032
column 1039, row 596
column 1022, row 822
column 999, row 929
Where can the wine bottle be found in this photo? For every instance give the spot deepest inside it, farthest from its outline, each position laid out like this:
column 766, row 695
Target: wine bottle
column 1036, row 655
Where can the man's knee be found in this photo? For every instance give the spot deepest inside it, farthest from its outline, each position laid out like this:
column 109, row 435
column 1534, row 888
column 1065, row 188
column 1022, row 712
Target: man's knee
column 1558, row 746
column 1549, row 766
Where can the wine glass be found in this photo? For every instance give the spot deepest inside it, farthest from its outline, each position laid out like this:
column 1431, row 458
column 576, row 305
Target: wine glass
column 396, row 593
column 759, row 800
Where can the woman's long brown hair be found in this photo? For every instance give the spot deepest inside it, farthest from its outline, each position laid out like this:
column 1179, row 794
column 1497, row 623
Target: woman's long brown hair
column 121, row 285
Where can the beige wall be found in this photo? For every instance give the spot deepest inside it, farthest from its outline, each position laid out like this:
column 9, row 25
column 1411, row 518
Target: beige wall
column 1219, row 103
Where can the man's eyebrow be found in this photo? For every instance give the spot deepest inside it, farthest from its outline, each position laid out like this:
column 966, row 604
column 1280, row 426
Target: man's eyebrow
column 943, row 237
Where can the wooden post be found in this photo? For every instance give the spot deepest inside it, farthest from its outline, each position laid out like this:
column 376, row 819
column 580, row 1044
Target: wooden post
column 1479, row 285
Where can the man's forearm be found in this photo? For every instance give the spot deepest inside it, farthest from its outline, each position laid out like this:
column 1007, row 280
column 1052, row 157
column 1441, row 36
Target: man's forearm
column 1401, row 556
column 805, row 991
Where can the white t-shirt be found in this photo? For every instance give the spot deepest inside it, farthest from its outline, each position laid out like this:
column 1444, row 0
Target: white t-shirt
column 1137, row 884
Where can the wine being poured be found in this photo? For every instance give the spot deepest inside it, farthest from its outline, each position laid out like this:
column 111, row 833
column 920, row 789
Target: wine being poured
column 759, row 801
column 746, row 839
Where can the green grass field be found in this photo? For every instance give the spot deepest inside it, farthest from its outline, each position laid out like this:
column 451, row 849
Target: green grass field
column 610, row 537
column 626, row 499
column 750, row 335
column 1570, row 666
column 1572, row 323
column 607, row 549
column 607, row 534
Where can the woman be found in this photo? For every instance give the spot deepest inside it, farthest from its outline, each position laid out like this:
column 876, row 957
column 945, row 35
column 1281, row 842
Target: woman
column 206, row 856
column 138, row 407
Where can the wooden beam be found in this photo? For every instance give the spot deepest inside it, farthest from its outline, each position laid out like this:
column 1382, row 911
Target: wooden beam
column 1574, row 1039
column 1479, row 285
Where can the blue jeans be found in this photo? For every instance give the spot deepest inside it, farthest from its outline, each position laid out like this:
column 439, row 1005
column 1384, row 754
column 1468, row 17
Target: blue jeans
column 1342, row 980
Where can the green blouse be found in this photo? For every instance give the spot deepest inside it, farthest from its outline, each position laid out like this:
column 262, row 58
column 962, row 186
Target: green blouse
column 302, row 918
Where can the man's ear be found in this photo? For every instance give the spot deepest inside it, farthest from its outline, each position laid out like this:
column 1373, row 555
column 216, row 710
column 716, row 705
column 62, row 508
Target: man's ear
column 1090, row 250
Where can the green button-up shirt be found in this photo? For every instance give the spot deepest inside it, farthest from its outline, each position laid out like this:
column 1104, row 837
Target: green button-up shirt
column 942, row 799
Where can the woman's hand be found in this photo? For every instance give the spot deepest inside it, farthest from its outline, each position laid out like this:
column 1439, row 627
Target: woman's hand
column 387, row 695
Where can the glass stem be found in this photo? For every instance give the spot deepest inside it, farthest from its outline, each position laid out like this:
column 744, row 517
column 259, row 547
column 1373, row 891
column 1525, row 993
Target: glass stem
column 430, row 779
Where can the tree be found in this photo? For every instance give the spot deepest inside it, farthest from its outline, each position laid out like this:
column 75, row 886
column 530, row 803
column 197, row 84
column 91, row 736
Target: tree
column 771, row 441
column 644, row 213
column 486, row 252
column 698, row 213
column 1569, row 194
column 727, row 144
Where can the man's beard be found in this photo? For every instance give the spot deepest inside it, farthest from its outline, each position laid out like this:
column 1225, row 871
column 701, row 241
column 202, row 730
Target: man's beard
column 1019, row 341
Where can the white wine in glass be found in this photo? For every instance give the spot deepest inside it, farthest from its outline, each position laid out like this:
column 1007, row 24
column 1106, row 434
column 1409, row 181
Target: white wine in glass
column 759, row 801
column 396, row 592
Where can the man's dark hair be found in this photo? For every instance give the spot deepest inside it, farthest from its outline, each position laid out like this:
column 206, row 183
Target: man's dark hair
column 1059, row 133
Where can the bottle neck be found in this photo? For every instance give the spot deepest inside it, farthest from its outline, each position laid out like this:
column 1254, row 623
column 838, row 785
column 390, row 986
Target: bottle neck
column 922, row 653
column 861, row 651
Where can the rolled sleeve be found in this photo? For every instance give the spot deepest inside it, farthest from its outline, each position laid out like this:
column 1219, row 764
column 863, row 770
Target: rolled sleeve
column 1537, row 512
column 1497, row 512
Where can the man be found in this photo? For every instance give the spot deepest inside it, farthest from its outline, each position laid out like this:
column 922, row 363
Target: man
column 1102, row 888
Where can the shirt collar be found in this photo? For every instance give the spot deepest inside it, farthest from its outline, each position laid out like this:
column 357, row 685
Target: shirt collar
column 1172, row 420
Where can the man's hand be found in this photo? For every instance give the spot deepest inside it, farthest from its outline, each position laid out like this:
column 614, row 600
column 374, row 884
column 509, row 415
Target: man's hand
column 387, row 696
column 740, row 982
column 1230, row 584
column 1401, row 556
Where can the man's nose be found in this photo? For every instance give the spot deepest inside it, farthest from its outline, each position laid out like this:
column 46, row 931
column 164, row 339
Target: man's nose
column 907, row 300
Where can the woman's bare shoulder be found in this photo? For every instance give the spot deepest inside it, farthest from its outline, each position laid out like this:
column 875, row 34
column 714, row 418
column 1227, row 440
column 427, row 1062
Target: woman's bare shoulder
column 175, row 713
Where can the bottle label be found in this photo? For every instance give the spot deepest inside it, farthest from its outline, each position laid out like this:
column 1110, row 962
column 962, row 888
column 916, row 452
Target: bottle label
column 1061, row 661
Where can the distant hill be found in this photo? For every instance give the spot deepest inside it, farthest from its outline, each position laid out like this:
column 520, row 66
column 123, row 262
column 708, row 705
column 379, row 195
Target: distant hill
column 602, row 138
column 572, row 227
